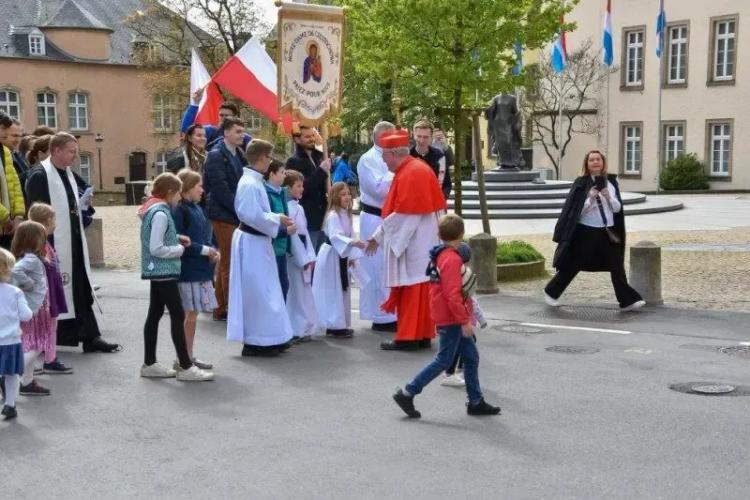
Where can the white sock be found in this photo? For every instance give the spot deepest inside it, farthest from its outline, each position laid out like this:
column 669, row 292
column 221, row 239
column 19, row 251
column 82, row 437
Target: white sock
column 28, row 366
column 12, row 384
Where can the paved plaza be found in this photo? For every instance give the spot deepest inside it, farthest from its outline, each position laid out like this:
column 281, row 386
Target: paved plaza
column 319, row 422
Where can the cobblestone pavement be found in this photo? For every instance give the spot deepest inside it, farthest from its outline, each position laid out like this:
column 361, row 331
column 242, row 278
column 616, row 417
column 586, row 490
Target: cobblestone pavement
column 696, row 279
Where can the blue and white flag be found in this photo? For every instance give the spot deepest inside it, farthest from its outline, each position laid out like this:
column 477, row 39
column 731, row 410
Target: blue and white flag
column 661, row 28
column 608, row 52
column 518, row 68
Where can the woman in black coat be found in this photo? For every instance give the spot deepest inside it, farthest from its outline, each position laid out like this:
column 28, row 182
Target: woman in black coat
column 193, row 153
column 590, row 234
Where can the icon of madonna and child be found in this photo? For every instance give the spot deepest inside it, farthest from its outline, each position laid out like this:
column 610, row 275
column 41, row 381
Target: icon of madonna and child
column 312, row 68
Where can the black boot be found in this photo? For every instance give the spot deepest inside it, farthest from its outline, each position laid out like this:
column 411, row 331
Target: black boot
column 98, row 345
column 385, row 327
column 425, row 344
column 482, row 408
column 406, row 403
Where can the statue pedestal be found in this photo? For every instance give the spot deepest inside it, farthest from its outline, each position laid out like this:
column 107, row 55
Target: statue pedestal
column 505, row 175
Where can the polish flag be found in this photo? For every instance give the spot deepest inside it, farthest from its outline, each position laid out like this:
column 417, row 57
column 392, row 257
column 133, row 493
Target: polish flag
column 250, row 75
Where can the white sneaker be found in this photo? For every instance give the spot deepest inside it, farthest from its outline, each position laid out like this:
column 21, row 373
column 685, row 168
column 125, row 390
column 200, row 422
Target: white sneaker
column 195, row 374
column 202, row 364
column 455, row 380
column 633, row 306
column 157, row 371
column 550, row 301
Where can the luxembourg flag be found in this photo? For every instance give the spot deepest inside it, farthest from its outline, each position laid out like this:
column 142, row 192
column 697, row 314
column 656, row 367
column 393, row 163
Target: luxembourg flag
column 204, row 111
column 250, row 75
column 560, row 51
column 608, row 53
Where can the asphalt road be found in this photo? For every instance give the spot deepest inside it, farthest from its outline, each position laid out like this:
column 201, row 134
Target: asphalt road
column 319, row 422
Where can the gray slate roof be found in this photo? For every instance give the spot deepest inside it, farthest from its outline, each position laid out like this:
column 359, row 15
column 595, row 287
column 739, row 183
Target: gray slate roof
column 23, row 15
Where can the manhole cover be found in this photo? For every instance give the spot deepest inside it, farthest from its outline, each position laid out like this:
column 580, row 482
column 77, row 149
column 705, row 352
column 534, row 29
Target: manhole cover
column 742, row 351
column 711, row 389
column 520, row 329
column 572, row 349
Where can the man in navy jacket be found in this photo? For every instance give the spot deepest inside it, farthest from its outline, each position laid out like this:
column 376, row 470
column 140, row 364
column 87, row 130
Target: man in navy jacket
column 222, row 172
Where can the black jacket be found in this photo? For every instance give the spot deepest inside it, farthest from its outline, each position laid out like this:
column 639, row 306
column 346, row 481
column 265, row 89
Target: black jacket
column 432, row 158
column 315, row 197
column 571, row 212
column 220, row 179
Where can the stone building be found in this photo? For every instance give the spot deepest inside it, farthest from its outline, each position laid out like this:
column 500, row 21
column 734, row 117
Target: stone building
column 70, row 65
column 705, row 90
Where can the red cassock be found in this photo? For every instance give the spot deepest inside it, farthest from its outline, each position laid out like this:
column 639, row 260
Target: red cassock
column 414, row 190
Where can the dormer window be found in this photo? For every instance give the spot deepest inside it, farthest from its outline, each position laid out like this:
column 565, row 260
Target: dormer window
column 36, row 43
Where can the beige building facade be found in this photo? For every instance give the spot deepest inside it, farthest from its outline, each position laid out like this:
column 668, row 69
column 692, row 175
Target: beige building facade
column 68, row 67
column 705, row 91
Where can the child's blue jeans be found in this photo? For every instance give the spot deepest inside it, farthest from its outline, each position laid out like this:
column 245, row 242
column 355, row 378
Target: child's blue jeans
column 452, row 342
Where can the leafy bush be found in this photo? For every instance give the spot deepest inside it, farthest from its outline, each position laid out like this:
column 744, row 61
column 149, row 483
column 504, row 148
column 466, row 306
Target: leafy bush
column 683, row 173
column 513, row 252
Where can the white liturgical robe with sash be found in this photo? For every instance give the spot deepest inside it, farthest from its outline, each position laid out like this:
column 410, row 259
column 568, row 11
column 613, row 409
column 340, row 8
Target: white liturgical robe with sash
column 257, row 313
column 374, row 182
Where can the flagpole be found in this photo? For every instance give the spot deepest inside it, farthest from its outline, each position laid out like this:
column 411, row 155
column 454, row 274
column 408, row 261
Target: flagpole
column 660, row 43
column 560, row 119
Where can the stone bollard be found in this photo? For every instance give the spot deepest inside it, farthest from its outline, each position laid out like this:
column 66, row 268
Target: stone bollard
column 95, row 241
column 645, row 271
column 484, row 262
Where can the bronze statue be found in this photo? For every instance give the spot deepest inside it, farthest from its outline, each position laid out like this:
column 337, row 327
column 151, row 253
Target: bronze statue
column 504, row 131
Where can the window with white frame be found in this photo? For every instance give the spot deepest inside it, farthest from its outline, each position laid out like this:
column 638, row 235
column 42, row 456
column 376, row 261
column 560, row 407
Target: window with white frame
column 9, row 103
column 254, row 120
column 161, row 162
column 678, row 51
column 674, row 141
column 632, row 149
column 78, row 111
column 46, row 109
column 721, row 148
column 164, row 112
column 84, row 167
column 724, row 49
column 634, row 58
column 36, row 44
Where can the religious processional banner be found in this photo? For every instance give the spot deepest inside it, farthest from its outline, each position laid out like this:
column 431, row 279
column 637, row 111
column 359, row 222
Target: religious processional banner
column 310, row 68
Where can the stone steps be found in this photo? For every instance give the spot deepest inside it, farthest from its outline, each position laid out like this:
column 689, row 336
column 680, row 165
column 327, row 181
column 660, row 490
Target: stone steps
column 647, row 206
column 556, row 202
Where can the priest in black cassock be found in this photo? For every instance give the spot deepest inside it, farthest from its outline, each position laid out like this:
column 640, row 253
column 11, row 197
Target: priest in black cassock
column 53, row 182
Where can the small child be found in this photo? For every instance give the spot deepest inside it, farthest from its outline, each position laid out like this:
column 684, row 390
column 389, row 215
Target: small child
column 452, row 313
column 277, row 197
column 330, row 286
column 197, row 268
column 161, row 249
column 13, row 310
column 300, row 303
column 30, row 276
column 454, row 373
column 45, row 215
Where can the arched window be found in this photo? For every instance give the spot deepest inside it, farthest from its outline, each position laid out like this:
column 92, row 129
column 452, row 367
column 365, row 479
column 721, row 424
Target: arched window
column 78, row 111
column 46, row 109
column 10, row 103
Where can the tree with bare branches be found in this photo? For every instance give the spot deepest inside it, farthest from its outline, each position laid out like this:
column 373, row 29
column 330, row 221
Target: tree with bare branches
column 573, row 94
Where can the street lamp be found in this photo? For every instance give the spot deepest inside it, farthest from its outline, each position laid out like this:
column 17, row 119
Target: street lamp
column 99, row 139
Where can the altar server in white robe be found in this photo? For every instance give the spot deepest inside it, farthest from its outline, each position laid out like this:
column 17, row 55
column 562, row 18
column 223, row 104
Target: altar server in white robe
column 331, row 282
column 257, row 314
column 299, row 300
column 374, row 182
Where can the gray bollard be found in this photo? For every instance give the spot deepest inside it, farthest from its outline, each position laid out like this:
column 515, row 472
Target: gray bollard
column 95, row 242
column 484, row 262
column 645, row 271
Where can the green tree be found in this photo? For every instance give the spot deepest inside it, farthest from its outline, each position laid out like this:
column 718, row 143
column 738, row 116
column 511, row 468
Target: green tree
column 443, row 58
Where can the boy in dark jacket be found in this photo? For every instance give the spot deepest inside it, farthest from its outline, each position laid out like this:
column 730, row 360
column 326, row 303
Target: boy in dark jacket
column 452, row 314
